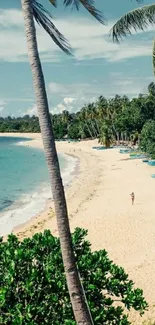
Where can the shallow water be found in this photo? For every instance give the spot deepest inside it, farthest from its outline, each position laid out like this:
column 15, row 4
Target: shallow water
column 24, row 185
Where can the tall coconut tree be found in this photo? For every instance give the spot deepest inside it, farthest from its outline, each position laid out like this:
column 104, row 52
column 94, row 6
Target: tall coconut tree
column 137, row 19
column 91, row 117
column 34, row 10
column 106, row 135
column 84, row 117
column 151, row 89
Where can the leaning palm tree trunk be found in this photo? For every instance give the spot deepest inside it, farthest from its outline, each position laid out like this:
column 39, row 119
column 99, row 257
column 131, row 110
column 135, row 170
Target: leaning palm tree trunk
column 79, row 304
column 89, row 130
column 153, row 56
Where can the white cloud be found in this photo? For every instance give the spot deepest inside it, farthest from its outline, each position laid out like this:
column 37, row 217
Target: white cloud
column 56, row 88
column 73, row 91
column 31, row 111
column 15, row 18
column 70, row 104
column 2, row 102
column 60, row 107
column 2, row 106
column 80, row 94
column 88, row 38
column 1, row 109
column 114, row 84
column 69, row 100
column 131, row 86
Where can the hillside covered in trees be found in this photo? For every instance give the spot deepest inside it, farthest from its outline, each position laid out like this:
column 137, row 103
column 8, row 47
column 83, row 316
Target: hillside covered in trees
column 113, row 119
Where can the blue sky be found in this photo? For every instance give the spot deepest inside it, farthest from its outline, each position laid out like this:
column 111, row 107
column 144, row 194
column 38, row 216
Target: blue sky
column 99, row 67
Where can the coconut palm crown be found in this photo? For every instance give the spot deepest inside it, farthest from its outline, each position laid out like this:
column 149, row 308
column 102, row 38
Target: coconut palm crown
column 44, row 18
column 138, row 19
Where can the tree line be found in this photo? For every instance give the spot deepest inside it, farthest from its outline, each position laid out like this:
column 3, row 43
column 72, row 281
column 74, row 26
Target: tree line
column 110, row 120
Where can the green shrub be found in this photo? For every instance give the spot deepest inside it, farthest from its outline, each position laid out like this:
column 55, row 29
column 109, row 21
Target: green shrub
column 147, row 138
column 33, row 287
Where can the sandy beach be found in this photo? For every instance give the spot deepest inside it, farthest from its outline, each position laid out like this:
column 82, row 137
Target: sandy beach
column 99, row 200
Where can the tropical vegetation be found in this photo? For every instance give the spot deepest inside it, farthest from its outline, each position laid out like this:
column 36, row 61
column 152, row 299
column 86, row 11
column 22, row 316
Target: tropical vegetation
column 33, row 287
column 139, row 19
column 110, row 120
column 147, row 138
column 134, row 20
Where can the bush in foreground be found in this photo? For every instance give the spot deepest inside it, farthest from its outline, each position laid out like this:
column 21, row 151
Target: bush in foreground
column 33, row 288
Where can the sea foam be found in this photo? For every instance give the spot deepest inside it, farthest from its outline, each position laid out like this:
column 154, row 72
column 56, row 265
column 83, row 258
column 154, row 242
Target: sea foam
column 30, row 204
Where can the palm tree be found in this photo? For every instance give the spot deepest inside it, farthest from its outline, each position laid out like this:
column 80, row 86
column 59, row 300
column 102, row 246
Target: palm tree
column 34, row 10
column 91, row 118
column 106, row 135
column 138, row 19
column 151, row 89
column 83, row 115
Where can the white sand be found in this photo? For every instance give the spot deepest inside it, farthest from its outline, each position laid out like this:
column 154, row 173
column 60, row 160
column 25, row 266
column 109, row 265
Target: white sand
column 99, row 200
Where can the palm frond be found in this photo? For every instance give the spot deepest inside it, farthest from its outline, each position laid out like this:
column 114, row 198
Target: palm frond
column 89, row 5
column 44, row 18
column 73, row 3
column 138, row 19
column 53, row 2
column 153, row 57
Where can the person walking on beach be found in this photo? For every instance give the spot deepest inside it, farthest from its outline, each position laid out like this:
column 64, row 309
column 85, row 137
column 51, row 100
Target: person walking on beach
column 132, row 197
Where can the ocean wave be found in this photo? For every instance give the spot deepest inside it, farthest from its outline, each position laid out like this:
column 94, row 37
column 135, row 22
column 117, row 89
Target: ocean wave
column 29, row 205
column 4, row 203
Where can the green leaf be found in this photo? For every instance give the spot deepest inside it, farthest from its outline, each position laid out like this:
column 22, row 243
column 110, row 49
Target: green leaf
column 34, row 290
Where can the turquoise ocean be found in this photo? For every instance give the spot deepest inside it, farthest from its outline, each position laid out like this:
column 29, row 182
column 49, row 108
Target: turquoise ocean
column 24, row 185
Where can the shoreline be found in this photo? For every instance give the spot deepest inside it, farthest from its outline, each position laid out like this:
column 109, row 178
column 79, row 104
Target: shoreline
column 44, row 218
column 34, row 141
column 36, row 222
column 39, row 200
column 98, row 199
